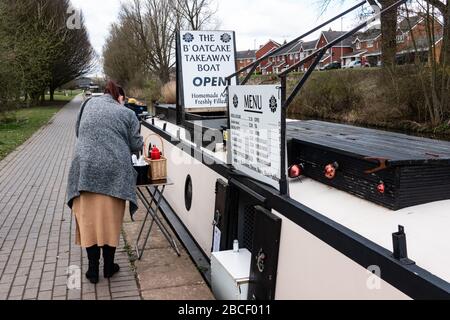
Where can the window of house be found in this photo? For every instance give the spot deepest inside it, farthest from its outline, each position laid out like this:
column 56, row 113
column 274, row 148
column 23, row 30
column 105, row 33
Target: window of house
column 296, row 56
column 370, row 44
column 400, row 38
column 358, row 45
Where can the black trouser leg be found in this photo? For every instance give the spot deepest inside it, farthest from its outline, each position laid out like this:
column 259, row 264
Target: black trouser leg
column 110, row 268
column 94, row 262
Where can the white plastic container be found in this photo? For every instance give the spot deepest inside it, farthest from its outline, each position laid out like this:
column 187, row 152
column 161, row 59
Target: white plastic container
column 230, row 274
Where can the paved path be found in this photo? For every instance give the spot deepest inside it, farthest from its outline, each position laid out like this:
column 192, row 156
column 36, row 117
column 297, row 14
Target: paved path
column 162, row 274
column 37, row 251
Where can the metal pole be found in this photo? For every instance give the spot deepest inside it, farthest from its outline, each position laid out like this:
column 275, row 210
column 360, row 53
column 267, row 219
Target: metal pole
column 284, row 189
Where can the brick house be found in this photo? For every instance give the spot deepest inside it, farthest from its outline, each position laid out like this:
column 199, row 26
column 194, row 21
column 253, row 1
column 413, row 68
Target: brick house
column 337, row 51
column 286, row 57
column 244, row 58
column 367, row 44
column 266, row 66
column 307, row 48
column 366, row 47
column 412, row 39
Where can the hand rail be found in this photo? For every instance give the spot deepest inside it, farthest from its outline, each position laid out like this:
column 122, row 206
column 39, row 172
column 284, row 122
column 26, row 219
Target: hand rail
column 256, row 63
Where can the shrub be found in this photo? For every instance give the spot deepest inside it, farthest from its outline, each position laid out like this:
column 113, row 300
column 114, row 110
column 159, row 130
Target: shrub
column 152, row 90
column 169, row 93
column 329, row 95
column 11, row 117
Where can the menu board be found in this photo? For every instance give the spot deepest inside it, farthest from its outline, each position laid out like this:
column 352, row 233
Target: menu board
column 255, row 131
column 206, row 59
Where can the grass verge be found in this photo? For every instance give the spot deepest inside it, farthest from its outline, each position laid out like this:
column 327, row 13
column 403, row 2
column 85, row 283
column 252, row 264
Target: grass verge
column 18, row 126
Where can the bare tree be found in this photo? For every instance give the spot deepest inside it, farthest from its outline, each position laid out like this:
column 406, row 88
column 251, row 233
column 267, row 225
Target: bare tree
column 153, row 32
column 146, row 32
column 434, row 77
column 194, row 14
column 444, row 8
column 123, row 61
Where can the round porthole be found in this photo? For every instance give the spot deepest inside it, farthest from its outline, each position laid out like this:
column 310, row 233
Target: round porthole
column 188, row 193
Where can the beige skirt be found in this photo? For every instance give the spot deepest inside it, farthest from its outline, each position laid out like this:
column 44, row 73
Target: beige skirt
column 99, row 220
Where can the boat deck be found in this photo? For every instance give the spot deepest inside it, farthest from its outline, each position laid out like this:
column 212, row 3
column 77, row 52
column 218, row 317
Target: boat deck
column 358, row 142
column 426, row 226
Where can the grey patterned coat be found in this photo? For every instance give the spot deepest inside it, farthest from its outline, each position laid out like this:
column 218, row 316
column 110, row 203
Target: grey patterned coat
column 108, row 134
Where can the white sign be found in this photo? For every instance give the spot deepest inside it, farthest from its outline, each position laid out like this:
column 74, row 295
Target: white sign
column 207, row 58
column 255, row 133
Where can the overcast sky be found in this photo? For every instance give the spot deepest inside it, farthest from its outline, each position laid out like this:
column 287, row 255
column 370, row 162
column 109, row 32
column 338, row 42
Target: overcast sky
column 255, row 21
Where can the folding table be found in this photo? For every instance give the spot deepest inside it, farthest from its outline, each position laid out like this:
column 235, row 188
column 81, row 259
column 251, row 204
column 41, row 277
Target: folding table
column 156, row 192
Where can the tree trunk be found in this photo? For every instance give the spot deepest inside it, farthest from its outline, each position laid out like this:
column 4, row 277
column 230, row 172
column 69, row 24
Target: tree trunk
column 164, row 76
column 52, row 94
column 34, row 99
column 42, row 97
column 389, row 35
column 445, row 52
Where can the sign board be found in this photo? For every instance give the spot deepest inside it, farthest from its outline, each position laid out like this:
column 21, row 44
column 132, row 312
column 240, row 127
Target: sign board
column 206, row 58
column 256, row 132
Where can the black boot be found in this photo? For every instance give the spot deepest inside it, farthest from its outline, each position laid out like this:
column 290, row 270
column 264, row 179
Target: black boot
column 94, row 262
column 110, row 268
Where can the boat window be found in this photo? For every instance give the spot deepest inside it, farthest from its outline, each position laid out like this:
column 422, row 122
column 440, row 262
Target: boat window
column 188, row 192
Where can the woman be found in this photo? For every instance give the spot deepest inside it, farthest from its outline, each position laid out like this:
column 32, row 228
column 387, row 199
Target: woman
column 102, row 177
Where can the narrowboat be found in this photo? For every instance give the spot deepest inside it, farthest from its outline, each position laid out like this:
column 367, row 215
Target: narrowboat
column 354, row 213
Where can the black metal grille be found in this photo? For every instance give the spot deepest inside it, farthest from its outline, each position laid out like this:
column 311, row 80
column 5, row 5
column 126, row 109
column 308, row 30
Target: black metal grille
column 249, row 222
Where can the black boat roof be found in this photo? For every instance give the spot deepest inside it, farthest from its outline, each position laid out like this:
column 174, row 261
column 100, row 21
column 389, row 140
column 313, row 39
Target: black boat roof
column 399, row 149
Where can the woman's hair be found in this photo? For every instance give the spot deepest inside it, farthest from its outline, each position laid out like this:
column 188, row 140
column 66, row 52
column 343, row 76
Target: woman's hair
column 114, row 90
column 122, row 92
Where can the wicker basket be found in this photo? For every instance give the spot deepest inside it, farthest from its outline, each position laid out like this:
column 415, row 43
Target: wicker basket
column 158, row 168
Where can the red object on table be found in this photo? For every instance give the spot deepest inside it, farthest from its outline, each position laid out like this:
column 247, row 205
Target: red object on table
column 155, row 154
